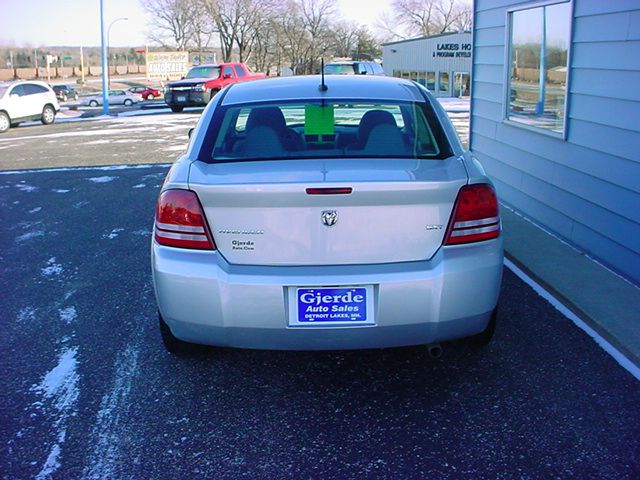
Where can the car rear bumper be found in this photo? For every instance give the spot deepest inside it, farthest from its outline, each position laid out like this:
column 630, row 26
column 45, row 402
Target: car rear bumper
column 204, row 299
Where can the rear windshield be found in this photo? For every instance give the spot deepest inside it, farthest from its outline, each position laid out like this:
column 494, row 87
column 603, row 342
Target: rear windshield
column 343, row 69
column 331, row 129
column 204, row 72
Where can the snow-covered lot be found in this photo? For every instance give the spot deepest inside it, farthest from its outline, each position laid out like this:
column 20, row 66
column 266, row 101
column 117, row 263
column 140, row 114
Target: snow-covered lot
column 89, row 391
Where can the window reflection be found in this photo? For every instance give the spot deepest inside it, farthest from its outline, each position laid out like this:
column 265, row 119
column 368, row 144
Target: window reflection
column 538, row 80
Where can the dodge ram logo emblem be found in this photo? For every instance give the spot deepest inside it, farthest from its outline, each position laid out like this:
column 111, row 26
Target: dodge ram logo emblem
column 329, row 217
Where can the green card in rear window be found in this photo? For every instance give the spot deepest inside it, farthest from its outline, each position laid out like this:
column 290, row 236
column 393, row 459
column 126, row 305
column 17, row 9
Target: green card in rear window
column 318, row 120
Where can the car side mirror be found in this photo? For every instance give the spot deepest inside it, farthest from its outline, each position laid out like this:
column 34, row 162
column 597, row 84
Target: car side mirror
column 190, row 132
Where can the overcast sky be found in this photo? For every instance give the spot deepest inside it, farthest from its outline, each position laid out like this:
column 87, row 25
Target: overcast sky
column 74, row 22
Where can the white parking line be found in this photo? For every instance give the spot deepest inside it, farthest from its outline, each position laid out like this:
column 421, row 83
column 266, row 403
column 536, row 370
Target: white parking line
column 617, row 355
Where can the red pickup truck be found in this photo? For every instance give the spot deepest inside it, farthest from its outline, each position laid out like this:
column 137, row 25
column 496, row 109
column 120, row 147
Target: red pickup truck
column 202, row 82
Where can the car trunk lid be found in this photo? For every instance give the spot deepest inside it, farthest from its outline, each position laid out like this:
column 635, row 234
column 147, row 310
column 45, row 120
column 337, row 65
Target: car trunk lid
column 260, row 213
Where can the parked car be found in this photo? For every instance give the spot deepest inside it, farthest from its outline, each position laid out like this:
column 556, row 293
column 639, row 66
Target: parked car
column 116, row 97
column 202, row 82
column 308, row 218
column 147, row 93
column 26, row 100
column 353, row 68
column 65, row 92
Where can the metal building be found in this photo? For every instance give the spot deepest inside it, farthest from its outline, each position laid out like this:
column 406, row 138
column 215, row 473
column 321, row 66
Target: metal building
column 555, row 118
column 442, row 63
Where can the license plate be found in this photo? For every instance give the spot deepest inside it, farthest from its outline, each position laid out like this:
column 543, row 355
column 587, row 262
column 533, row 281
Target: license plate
column 182, row 98
column 322, row 306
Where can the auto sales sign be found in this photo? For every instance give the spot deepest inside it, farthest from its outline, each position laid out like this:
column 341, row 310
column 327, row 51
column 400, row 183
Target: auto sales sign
column 167, row 65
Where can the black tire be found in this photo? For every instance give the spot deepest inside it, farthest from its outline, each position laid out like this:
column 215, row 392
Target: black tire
column 176, row 109
column 483, row 338
column 128, row 102
column 93, row 103
column 48, row 115
column 5, row 122
column 171, row 343
column 151, row 96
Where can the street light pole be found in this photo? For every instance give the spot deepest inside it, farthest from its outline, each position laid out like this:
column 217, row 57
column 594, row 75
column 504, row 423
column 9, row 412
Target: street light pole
column 109, row 42
column 105, row 66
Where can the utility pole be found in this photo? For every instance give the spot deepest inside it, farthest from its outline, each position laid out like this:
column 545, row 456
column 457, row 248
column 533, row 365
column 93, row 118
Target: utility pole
column 81, row 66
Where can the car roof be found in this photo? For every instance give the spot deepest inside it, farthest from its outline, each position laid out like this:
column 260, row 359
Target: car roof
column 17, row 82
column 348, row 87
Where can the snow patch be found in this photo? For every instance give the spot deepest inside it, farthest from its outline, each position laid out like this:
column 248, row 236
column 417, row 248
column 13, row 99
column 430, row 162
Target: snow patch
column 61, row 190
column 113, row 234
column 174, row 148
column 52, row 464
column 143, row 232
column 68, row 315
column 52, row 268
column 29, row 236
column 61, row 383
column 23, row 187
column 140, row 185
column 26, row 314
column 35, row 210
column 114, row 410
column 104, row 179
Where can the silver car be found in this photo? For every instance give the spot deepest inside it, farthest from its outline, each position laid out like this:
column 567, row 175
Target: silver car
column 337, row 216
column 116, row 97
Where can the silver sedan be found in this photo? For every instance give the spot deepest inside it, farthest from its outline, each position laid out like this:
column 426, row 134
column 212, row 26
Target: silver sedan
column 337, row 216
column 116, row 97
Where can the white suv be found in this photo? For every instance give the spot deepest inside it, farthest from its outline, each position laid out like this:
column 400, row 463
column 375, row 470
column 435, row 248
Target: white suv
column 26, row 100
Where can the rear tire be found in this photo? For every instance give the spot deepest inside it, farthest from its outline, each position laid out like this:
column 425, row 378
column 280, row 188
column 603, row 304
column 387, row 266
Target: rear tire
column 172, row 343
column 5, row 122
column 151, row 96
column 93, row 103
column 128, row 102
column 48, row 115
column 176, row 109
column 483, row 338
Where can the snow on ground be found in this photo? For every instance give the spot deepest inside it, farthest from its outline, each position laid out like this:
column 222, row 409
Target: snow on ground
column 59, row 389
column 52, row 268
column 104, row 179
column 114, row 408
column 454, row 104
column 68, row 315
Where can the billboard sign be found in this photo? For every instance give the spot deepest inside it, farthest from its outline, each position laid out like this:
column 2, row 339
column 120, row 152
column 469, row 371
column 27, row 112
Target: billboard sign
column 167, row 65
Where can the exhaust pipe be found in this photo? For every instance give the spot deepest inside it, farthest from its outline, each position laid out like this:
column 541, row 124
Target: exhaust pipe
column 435, row 350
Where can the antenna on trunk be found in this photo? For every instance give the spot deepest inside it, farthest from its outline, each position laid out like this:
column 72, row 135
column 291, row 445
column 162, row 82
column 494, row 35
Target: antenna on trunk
column 322, row 87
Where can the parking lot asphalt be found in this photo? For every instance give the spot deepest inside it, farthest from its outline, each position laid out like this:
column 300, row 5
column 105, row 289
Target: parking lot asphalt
column 89, row 391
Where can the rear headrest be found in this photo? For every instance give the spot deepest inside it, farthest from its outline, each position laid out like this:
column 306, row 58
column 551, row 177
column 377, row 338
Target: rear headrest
column 372, row 119
column 266, row 117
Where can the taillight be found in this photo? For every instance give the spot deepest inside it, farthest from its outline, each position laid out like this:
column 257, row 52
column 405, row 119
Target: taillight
column 180, row 221
column 475, row 215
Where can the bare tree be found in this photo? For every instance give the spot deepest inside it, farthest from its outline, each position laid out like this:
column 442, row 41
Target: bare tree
column 425, row 17
column 171, row 22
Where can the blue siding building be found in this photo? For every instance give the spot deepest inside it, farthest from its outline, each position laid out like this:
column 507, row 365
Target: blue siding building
column 555, row 118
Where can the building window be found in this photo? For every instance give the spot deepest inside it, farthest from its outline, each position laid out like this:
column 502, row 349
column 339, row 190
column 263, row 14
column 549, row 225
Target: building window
column 431, row 81
column 539, row 47
column 444, row 82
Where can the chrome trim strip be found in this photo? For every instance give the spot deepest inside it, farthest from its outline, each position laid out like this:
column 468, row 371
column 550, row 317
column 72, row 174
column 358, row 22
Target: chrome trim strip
column 179, row 228
column 181, row 236
column 476, row 223
column 475, row 231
